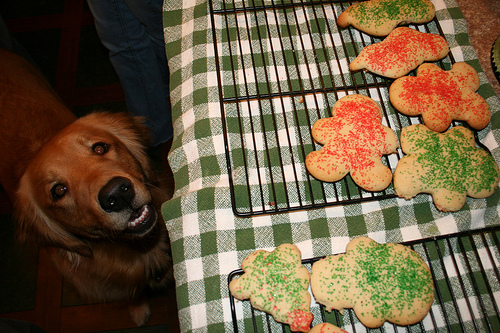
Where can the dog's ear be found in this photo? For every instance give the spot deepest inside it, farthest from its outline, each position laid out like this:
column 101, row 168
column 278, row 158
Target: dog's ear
column 36, row 228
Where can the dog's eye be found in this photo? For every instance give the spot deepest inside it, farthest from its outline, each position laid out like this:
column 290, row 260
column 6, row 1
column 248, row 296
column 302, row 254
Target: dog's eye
column 58, row 191
column 100, row 148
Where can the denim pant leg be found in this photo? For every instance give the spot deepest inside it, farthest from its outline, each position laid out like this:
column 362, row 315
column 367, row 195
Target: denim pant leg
column 8, row 42
column 139, row 59
column 5, row 38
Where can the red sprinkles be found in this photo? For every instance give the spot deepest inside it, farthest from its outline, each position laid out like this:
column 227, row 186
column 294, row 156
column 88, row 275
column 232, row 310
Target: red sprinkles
column 402, row 51
column 354, row 141
column 441, row 96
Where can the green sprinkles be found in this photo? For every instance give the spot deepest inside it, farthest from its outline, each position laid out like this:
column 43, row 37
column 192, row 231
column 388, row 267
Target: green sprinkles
column 380, row 282
column 453, row 163
column 394, row 281
column 273, row 279
column 376, row 12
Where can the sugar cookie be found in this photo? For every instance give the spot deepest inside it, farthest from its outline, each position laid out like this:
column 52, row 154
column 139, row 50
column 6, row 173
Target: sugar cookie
column 381, row 282
column 354, row 141
column 326, row 328
column 277, row 283
column 400, row 52
column 441, row 96
column 446, row 165
column 380, row 17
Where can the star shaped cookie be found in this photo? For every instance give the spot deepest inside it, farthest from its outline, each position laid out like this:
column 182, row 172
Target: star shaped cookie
column 354, row 141
column 277, row 283
column 446, row 165
column 400, row 52
column 441, row 96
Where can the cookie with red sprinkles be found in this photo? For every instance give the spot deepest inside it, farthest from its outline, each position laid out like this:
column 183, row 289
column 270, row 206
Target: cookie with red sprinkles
column 441, row 96
column 380, row 282
column 400, row 52
column 277, row 283
column 446, row 165
column 380, row 17
column 354, row 141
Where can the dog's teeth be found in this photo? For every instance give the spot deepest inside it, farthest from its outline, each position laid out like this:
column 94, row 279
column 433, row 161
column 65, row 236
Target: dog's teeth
column 141, row 218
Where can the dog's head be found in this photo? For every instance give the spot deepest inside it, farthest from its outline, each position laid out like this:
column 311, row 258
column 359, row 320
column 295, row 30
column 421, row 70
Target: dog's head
column 91, row 181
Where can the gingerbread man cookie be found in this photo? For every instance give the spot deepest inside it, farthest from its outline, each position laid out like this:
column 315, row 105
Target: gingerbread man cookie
column 446, row 165
column 380, row 282
column 380, row 17
column 441, row 96
column 277, row 283
column 354, row 141
column 401, row 52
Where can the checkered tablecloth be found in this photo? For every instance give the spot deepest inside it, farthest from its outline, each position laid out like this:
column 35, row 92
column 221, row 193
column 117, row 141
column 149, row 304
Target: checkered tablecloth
column 209, row 241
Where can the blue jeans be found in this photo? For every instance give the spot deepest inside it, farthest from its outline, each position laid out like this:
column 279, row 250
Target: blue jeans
column 8, row 42
column 132, row 31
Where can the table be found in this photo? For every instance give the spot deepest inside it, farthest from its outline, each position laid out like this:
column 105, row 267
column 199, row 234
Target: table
column 209, row 240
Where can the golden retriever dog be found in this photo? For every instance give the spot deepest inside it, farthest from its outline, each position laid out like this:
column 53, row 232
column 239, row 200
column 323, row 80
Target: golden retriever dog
column 83, row 188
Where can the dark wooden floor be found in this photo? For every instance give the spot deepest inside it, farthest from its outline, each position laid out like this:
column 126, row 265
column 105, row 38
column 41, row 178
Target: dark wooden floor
column 52, row 316
column 60, row 37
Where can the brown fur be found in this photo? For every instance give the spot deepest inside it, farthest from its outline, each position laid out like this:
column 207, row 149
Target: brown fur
column 94, row 246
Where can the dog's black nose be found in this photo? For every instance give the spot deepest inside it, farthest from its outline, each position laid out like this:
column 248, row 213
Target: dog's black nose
column 116, row 195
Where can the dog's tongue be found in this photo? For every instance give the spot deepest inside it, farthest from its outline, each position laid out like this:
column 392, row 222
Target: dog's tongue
column 143, row 219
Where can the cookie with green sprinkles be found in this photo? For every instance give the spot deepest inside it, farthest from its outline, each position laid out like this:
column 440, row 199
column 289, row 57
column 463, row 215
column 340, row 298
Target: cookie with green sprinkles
column 380, row 17
column 354, row 141
column 446, row 165
column 441, row 96
column 380, row 282
column 277, row 283
column 400, row 52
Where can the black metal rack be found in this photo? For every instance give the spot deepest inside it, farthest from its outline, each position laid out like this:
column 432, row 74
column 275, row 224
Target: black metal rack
column 272, row 90
column 466, row 277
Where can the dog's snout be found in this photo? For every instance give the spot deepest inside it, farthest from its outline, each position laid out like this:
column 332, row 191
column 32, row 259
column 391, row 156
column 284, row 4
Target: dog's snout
column 116, row 195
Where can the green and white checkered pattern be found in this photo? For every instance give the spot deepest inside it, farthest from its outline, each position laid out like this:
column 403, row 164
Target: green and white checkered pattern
column 208, row 240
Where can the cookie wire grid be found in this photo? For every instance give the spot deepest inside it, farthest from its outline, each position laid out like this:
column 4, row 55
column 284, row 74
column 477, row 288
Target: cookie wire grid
column 466, row 278
column 280, row 67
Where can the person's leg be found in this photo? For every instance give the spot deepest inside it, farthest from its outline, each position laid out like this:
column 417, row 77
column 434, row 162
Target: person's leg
column 137, row 61
column 5, row 38
column 150, row 14
column 8, row 42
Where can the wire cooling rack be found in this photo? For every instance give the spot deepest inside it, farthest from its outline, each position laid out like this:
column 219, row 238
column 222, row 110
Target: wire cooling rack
column 282, row 66
column 466, row 278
